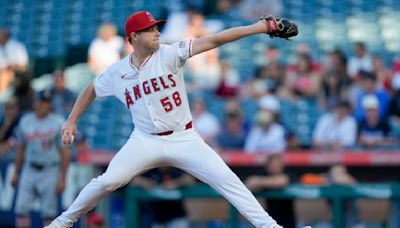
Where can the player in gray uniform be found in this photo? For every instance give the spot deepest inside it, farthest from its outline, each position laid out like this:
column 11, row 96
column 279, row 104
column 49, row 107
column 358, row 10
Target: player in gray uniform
column 43, row 159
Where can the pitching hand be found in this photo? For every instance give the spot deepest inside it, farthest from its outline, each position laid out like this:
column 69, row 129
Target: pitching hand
column 68, row 132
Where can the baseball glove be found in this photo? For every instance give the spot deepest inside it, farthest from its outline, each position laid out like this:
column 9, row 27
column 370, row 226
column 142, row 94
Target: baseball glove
column 280, row 27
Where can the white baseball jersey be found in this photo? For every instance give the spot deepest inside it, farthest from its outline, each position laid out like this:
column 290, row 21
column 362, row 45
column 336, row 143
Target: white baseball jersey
column 155, row 93
column 156, row 96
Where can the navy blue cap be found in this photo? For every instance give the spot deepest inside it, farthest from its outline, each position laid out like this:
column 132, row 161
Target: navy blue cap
column 44, row 95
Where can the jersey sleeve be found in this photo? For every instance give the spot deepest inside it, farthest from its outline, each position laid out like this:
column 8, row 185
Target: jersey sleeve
column 183, row 51
column 103, row 85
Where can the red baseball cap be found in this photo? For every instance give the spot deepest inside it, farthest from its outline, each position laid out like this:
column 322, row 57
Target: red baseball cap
column 140, row 21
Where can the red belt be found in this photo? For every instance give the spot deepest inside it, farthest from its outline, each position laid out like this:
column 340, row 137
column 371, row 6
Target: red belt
column 187, row 126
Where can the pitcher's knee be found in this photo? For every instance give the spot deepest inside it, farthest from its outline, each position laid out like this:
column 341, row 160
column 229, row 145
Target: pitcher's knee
column 225, row 176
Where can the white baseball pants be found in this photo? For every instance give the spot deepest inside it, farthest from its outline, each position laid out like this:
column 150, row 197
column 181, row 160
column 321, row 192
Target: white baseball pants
column 184, row 150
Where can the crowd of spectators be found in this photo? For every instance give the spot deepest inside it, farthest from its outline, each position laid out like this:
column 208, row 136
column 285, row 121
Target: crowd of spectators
column 356, row 94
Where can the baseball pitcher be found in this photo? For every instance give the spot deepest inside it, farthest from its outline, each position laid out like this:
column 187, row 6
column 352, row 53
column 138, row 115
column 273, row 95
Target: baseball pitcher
column 150, row 83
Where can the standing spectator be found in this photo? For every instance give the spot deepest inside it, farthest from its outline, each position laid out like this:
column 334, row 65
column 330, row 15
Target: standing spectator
column 206, row 123
column 360, row 61
column 13, row 57
column 63, row 98
column 266, row 135
column 109, row 42
column 8, row 124
column 273, row 176
column 336, row 130
column 170, row 213
column 372, row 131
column 43, row 159
column 369, row 87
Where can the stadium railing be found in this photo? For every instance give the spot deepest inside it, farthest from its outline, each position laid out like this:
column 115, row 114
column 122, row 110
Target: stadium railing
column 336, row 194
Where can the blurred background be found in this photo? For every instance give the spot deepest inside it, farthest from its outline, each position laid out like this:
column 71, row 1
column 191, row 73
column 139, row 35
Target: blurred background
column 314, row 120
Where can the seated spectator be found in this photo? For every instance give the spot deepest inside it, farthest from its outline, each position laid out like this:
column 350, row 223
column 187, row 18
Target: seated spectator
column 106, row 49
column 273, row 176
column 336, row 82
column 267, row 79
column 302, row 81
column 63, row 98
column 232, row 135
column 360, row 61
column 334, row 88
column 372, row 131
column 171, row 213
column 337, row 129
column 8, row 124
column 266, row 136
column 229, row 82
column 206, row 124
column 369, row 87
column 13, row 57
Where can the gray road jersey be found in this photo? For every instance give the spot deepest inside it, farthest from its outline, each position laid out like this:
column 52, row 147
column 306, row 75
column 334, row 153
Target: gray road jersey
column 41, row 138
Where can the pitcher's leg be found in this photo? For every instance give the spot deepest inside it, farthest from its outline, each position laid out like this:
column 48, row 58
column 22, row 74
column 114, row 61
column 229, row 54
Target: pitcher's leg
column 198, row 159
column 122, row 168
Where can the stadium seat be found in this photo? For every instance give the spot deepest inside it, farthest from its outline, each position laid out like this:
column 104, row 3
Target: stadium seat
column 373, row 211
column 312, row 211
column 203, row 210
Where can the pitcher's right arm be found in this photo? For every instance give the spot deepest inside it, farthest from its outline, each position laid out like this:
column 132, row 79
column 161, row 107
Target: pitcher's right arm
column 85, row 98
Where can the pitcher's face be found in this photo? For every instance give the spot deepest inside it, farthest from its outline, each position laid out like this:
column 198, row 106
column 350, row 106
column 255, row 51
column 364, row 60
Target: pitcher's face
column 149, row 37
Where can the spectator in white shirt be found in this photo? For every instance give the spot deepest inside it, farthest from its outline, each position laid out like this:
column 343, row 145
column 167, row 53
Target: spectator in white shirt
column 106, row 49
column 336, row 130
column 361, row 60
column 206, row 124
column 266, row 136
column 13, row 57
column 13, row 53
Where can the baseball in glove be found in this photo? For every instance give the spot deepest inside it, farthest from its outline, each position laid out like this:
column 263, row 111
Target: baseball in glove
column 280, row 27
